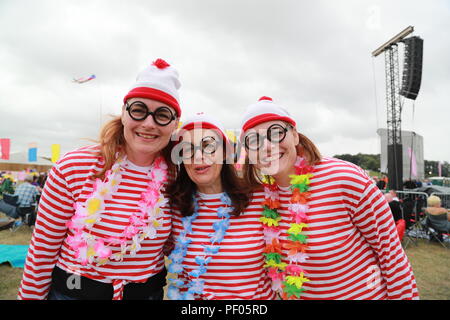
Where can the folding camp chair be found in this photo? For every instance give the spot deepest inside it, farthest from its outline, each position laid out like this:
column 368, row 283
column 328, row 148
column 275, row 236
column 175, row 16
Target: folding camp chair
column 412, row 212
column 437, row 226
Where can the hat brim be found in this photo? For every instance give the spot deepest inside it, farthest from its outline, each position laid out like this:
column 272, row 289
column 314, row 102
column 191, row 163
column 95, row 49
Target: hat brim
column 154, row 94
column 253, row 122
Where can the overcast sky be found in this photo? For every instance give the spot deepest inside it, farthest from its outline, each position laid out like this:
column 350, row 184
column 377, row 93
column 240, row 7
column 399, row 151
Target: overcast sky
column 312, row 57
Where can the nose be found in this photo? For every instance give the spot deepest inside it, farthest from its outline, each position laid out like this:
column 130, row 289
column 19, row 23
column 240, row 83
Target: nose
column 266, row 147
column 198, row 156
column 149, row 122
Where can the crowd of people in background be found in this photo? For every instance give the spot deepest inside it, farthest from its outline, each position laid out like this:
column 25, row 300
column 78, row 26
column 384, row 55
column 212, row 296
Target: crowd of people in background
column 19, row 197
column 430, row 211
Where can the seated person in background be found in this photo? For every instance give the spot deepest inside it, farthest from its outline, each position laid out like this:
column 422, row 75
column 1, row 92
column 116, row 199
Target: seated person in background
column 7, row 185
column 434, row 209
column 381, row 184
column 394, row 204
column 394, row 195
column 26, row 192
column 409, row 184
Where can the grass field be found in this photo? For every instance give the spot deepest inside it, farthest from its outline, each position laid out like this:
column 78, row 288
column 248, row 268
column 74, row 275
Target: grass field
column 430, row 262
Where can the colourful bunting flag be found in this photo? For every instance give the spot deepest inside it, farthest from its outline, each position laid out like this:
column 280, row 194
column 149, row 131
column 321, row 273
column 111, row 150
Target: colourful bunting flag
column 32, row 152
column 5, row 145
column 56, row 150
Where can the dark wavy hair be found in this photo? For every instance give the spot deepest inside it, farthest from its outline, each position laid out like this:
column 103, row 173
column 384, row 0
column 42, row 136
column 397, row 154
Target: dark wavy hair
column 182, row 188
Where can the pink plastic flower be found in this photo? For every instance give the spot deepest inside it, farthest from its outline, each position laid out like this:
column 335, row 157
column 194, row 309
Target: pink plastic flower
column 76, row 241
column 294, row 269
column 101, row 250
column 270, row 233
column 275, row 275
column 298, row 257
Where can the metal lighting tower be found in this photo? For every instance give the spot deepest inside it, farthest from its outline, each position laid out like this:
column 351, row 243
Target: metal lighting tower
column 394, row 108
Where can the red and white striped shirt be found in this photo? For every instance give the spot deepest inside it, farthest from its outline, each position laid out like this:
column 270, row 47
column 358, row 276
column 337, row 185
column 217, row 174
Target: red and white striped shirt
column 236, row 271
column 353, row 247
column 69, row 182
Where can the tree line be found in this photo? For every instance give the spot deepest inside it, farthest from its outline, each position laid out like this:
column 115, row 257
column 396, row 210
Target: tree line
column 372, row 162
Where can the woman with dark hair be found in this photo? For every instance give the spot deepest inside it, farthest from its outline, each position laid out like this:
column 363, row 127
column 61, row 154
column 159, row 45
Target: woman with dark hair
column 218, row 237
column 334, row 231
column 101, row 224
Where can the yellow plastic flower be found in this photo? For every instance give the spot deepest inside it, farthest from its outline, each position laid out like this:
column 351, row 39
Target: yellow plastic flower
column 269, row 221
column 273, row 264
column 300, row 179
column 93, row 205
column 297, row 280
column 90, row 252
column 268, row 180
column 296, row 228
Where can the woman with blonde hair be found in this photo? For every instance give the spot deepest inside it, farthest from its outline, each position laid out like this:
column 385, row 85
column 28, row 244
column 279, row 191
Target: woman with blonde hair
column 328, row 228
column 101, row 226
column 436, row 211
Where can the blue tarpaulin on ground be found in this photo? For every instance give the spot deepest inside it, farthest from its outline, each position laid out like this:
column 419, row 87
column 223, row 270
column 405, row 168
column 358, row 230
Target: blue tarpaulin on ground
column 14, row 254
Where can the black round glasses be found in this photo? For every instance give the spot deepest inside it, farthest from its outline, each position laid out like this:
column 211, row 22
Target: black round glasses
column 139, row 111
column 275, row 134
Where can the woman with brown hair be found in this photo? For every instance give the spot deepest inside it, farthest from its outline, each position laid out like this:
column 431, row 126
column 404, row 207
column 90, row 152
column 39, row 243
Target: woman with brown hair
column 328, row 228
column 218, row 238
column 101, row 223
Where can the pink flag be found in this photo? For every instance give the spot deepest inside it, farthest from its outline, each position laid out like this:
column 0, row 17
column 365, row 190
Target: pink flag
column 440, row 168
column 5, row 146
column 412, row 158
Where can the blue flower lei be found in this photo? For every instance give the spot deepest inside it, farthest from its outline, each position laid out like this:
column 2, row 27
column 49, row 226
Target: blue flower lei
column 196, row 284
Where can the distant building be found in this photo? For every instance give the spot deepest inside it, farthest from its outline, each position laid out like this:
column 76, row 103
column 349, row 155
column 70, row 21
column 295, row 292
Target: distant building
column 409, row 139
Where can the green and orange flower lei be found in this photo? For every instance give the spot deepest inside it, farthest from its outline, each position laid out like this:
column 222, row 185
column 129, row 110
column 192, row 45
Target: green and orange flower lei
column 287, row 278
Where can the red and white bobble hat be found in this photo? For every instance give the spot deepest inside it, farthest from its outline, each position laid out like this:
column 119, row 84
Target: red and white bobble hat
column 263, row 111
column 203, row 121
column 159, row 81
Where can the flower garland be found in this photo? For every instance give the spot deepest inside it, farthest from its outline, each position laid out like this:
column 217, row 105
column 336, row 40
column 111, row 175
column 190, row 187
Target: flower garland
column 141, row 224
column 196, row 285
column 287, row 279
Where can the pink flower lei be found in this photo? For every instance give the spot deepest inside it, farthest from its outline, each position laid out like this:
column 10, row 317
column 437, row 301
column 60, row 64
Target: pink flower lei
column 142, row 224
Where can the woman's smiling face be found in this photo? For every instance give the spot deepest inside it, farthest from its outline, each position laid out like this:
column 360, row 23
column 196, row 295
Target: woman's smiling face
column 274, row 158
column 205, row 165
column 145, row 138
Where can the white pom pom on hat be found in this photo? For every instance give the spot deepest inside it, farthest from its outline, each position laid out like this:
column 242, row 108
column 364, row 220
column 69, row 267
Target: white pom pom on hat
column 263, row 111
column 159, row 81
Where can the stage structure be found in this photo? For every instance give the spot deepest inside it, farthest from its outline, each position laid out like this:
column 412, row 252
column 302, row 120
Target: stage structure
column 413, row 161
column 412, row 71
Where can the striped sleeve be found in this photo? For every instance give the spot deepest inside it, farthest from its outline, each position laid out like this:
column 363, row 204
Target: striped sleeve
column 373, row 219
column 55, row 209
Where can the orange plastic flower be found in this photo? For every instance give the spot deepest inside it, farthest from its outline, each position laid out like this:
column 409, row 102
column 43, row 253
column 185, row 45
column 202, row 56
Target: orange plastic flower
column 272, row 204
column 275, row 247
column 300, row 197
column 295, row 247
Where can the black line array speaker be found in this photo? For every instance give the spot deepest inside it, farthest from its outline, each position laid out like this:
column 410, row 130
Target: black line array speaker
column 412, row 67
column 395, row 166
